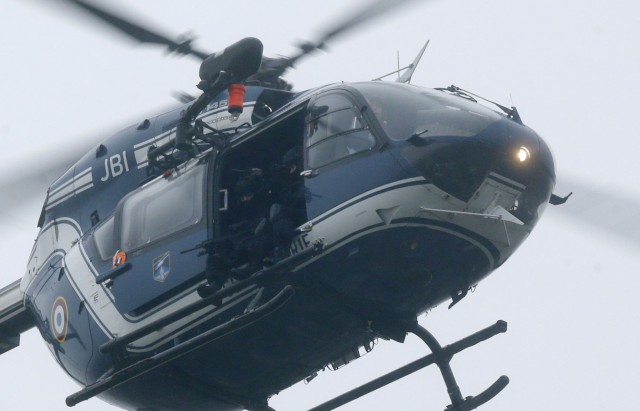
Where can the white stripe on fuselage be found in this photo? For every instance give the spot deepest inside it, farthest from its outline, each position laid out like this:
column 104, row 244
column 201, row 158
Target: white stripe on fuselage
column 77, row 184
column 382, row 208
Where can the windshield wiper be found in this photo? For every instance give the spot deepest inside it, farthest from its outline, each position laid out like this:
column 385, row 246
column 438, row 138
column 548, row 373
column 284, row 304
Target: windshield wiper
column 511, row 113
column 417, row 140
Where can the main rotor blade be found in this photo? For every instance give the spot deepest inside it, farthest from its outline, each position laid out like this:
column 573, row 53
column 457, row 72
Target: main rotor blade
column 615, row 213
column 28, row 180
column 367, row 13
column 138, row 31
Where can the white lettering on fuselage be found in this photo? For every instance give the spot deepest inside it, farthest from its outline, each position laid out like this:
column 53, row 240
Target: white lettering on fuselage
column 215, row 120
column 115, row 166
column 217, row 104
column 300, row 243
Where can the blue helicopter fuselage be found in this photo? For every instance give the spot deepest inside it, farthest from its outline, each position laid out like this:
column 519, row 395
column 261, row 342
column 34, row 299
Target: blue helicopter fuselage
column 414, row 194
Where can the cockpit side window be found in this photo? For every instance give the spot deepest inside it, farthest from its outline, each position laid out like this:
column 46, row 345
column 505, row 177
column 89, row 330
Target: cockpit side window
column 338, row 122
column 334, row 130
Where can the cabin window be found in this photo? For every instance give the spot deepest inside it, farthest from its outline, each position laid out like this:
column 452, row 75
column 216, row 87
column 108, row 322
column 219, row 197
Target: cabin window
column 104, row 239
column 335, row 130
column 163, row 207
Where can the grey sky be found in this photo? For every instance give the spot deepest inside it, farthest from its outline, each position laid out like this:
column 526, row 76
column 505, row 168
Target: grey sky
column 569, row 293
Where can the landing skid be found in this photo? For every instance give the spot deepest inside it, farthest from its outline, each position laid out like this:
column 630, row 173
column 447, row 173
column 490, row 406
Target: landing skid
column 441, row 357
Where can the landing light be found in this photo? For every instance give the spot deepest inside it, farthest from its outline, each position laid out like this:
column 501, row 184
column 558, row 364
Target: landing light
column 523, row 154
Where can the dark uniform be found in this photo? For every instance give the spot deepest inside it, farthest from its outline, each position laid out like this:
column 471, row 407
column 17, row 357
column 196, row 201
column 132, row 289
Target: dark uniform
column 289, row 207
column 254, row 235
column 250, row 238
column 264, row 212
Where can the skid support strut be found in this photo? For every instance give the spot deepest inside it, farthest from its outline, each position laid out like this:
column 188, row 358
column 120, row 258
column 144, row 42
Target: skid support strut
column 441, row 356
column 442, row 360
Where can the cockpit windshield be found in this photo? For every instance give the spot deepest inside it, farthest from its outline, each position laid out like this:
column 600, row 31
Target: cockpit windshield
column 403, row 110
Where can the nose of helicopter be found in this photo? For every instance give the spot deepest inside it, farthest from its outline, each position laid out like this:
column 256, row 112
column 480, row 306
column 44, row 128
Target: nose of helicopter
column 506, row 164
column 469, row 198
column 473, row 185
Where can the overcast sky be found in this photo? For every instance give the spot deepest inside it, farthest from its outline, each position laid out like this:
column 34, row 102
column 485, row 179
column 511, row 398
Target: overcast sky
column 571, row 68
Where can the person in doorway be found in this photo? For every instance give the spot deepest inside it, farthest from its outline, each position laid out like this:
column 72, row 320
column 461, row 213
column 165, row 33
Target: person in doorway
column 288, row 208
column 254, row 240
column 249, row 241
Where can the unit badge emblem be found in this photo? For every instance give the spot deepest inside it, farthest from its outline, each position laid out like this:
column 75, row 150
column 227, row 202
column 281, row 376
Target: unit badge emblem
column 162, row 267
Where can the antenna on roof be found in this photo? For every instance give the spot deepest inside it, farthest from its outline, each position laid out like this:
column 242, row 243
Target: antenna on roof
column 406, row 76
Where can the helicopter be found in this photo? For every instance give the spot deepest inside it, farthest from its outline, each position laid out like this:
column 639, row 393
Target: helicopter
column 311, row 111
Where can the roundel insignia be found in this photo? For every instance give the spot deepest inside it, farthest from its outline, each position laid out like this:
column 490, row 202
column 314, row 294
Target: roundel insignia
column 60, row 319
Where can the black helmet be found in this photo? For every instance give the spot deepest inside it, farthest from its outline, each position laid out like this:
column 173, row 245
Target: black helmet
column 247, row 185
column 292, row 156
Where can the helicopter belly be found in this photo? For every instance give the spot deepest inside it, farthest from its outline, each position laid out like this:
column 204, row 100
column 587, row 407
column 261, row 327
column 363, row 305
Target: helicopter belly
column 254, row 361
column 409, row 245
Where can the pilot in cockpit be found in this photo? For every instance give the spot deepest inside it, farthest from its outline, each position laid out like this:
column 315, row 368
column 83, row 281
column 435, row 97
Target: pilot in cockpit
column 376, row 104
